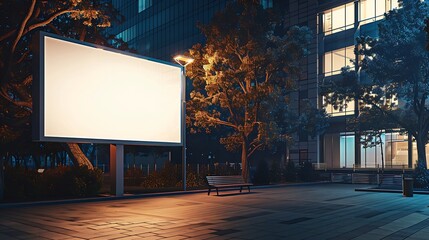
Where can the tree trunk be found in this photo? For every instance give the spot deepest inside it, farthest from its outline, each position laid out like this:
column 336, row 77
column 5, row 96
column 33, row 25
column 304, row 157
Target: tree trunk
column 382, row 154
column 421, row 150
column 77, row 156
column 244, row 162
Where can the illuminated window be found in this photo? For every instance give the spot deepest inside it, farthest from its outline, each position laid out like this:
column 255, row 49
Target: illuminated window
column 144, row 4
column 342, row 110
column 371, row 157
column 339, row 19
column 337, row 59
column 396, row 150
column 391, row 102
column 373, row 10
column 339, row 150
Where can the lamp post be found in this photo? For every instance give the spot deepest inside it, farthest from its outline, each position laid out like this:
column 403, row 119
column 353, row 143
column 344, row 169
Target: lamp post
column 183, row 61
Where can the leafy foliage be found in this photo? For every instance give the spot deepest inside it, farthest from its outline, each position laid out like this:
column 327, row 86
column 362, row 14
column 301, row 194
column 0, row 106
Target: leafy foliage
column 262, row 173
column 171, row 177
column 61, row 182
column 392, row 78
column 243, row 77
column 19, row 23
column 290, row 172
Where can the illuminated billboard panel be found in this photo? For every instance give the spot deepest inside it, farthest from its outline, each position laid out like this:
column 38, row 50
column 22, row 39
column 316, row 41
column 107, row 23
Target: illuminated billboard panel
column 86, row 93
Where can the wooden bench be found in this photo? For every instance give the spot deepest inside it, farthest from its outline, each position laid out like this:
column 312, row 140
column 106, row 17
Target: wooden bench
column 226, row 182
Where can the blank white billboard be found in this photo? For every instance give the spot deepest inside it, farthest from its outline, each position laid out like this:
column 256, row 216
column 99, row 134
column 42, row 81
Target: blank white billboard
column 90, row 94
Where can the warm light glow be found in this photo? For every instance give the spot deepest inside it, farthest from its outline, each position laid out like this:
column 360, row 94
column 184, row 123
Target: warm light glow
column 336, row 59
column 93, row 94
column 183, row 60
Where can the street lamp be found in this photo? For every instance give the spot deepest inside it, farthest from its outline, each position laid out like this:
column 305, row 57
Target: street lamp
column 183, row 61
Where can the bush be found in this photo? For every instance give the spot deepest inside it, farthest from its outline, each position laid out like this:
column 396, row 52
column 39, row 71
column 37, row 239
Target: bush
column 275, row 172
column 22, row 184
column 262, row 174
column 421, row 176
column 133, row 177
column 307, row 172
column 169, row 176
column 193, row 180
column 290, row 172
column 66, row 181
column 60, row 182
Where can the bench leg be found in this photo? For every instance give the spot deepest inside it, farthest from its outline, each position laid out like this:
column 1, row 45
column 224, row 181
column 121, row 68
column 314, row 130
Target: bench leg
column 248, row 187
column 217, row 191
column 241, row 189
column 209, row 191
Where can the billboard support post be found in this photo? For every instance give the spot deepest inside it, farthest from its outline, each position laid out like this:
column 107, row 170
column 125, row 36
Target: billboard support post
column 184, row 140
column 183, row 61
column 117, row 169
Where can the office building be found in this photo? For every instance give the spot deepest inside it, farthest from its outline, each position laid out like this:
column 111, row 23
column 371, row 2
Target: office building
column 162, row 29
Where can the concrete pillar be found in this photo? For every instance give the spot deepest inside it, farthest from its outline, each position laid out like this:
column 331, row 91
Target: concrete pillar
column 117, row 169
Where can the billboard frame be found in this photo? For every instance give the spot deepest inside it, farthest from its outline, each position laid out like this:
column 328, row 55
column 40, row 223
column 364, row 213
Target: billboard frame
column 38, row 95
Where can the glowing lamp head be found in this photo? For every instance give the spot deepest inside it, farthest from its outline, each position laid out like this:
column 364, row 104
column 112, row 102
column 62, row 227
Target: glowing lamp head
column 183, row 60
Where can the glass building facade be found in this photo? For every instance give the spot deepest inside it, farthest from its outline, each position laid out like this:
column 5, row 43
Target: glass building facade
column 164, row 28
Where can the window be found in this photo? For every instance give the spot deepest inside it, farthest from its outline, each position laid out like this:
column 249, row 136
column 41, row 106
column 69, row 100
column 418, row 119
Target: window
column 373, row 10
column 339, row 150
column 337, row 59
column 385, row 102
column 371, row 157
column 267, row 3
column 396, row 150
column 339, row 19
column 303, row 156
column 144, row 4
column 345, row 109
column 128, row 34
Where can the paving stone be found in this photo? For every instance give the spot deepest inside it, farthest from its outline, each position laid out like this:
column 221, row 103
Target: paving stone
column 322, row 211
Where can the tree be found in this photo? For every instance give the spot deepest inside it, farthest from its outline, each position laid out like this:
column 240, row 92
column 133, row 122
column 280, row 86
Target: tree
column 19, row 21
column 392, row 77
column 370, row 125
column 243, row 78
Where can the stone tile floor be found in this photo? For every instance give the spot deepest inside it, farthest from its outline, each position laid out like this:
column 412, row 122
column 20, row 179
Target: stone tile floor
column 319, row 211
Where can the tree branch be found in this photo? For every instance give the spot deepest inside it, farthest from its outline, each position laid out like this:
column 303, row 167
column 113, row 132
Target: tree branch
column 50, row 19
column 221, row 122
column 22, row 27
column 254, row 149
column 22, row 58
column 6, row 96
column 396, row 119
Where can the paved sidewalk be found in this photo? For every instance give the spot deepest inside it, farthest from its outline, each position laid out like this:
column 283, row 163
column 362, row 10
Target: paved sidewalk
column 321, row 211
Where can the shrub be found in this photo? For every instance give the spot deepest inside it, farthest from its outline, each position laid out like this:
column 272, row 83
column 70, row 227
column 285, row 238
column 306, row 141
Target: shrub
column 421, row 176
column 193, row 180
column 22, row 184
column 290, row 172
column 262, row 174
column 133, row 177
column 169, row 176
column 307, row 172
column 275, row 172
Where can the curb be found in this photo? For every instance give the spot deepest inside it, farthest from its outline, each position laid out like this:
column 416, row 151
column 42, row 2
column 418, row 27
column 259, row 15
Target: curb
column 388, row 191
